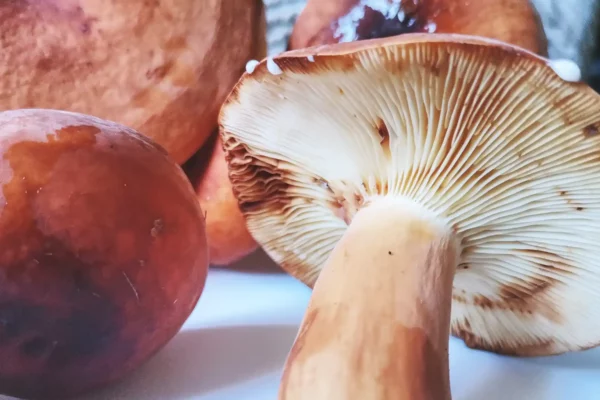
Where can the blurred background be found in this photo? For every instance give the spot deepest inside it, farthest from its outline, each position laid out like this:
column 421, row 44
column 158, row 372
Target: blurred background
column 571, row 27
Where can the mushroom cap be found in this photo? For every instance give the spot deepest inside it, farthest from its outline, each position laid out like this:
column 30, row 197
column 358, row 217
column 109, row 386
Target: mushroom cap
column 484, row 134
column 333, row 21
column 228, row 237
column 103, row 252
column 162, row 68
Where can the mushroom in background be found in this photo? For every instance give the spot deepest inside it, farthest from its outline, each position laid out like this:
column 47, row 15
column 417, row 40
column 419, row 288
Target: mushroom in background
column 103, row 252
column 228, row 237
column 162, row 68
column 421, row 185
column 333, row 21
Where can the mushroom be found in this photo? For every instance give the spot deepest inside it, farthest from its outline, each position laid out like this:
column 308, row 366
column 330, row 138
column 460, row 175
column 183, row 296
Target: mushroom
column 103, row 252
column 162, row 68
column 333, row 21
column 228, row 238
column 421, row 185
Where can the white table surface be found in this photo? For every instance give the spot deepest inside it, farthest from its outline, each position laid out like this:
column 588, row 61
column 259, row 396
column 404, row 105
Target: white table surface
column 235, row 343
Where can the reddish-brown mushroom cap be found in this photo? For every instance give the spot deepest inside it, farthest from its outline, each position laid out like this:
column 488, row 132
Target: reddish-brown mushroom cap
column 103, row 252
column 162, row 68
column 333, row 21
column 485, row 136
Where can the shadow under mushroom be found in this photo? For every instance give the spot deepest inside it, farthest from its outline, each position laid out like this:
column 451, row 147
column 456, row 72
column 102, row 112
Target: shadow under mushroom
column 588, row 359
column 508, row 382
column 256, row 263
column 205, row 360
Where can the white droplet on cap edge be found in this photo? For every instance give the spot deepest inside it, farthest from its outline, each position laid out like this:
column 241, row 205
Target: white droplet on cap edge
column 431, row 27
column 273, row 67
column 566, row 69
column 311, row 58
column 251, row 66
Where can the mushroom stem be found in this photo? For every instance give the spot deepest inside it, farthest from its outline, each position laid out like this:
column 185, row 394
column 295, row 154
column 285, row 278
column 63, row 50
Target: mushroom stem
column 377, row 325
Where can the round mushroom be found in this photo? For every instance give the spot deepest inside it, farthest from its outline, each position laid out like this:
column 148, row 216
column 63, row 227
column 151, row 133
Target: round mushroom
column 421, row 184
column 333, row 21
column 228, row 237
column 162, row 68
column 103, row 252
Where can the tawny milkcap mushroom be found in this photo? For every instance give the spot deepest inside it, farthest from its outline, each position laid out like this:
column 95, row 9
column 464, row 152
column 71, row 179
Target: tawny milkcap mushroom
column 228, row 237
column 333, row 21
column 421, row 184
column 162, row 68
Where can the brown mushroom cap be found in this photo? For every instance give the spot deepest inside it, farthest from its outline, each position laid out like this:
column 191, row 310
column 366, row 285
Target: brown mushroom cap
column 483, row 134
column 103, row 252
column 162, row 68
column 333, row 21
column 228, row 237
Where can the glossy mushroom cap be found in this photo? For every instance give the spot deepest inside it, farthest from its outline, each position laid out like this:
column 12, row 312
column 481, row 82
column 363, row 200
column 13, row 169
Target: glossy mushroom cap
column 162, row 68
column 484, row 135
column 103, row 252
column 228, row 237
column 333, row 21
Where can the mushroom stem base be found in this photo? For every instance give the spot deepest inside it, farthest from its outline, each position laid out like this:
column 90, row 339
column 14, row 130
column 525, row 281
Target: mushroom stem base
column 377, row 326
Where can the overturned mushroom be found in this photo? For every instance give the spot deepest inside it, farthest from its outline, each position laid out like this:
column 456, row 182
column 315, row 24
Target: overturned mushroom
column 421, row 184
column 162, row 68
column 332, row 21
